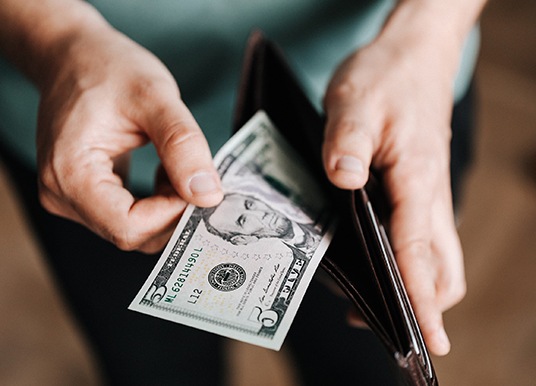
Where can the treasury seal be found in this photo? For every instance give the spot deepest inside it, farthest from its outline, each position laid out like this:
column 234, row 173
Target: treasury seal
column 227, row 277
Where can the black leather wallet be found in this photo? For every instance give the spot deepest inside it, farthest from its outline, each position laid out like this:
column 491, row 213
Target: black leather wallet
column 359, row 258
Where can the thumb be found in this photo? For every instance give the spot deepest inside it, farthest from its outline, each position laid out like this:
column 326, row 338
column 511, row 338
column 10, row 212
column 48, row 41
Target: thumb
column 348, row 141
column 184, row 152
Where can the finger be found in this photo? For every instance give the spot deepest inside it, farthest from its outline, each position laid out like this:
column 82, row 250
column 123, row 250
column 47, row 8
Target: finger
column 183, row 149
column 163, row 187
column 419, row 275
column 118, row 217
column 350, row 138
column 157, row 243
column 412, row 186
column 451, row 285
column 429, row 316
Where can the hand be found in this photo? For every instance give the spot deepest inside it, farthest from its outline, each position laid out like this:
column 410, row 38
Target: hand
column 103, row 97
column 389, row 106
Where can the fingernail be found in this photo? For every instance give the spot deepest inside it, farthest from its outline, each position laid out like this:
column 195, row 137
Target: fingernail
column 203, row 183
column 350, row 164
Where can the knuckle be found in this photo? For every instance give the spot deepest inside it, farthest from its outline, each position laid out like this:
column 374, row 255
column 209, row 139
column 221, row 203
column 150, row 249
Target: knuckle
column 57, row 174
column 126, row 240
column 427, row 164
column 421, row 171
column 451, row 285
column 346, row 129
column 420, row 248
column 47, row 202
column 149, row 88
column 340, row 91
column 151, row 247
column 454, row 293
column 364, row 98
column 47, row 190
column 47, row 179
column 416, row 250
column 459, row 292
column 180, row 135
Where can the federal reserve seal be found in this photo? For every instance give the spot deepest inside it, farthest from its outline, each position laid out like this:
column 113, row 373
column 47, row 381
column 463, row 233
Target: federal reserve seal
column 227, row 277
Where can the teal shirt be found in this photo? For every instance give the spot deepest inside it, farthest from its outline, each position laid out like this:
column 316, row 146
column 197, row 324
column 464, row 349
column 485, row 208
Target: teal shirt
column 202, row 43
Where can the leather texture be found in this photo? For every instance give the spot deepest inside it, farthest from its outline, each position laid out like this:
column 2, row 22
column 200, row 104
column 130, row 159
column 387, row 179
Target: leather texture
column 359, row 258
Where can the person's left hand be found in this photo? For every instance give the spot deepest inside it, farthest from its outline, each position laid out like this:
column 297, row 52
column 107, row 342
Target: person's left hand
column 389, row 105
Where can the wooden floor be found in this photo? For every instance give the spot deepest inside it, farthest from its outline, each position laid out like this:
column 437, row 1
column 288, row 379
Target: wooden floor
column 493, row 331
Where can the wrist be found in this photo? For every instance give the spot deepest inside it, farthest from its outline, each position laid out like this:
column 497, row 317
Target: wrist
column 451, row 19
column 37, row 36
column 431, row 30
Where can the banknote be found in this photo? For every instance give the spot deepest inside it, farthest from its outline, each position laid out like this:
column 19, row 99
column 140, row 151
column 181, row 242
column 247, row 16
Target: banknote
column 241, row 269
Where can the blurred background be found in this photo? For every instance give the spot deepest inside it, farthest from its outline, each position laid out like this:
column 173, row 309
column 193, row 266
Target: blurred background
column 493, row 331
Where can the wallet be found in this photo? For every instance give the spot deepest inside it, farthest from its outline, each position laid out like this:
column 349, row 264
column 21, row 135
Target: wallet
column 359, row 258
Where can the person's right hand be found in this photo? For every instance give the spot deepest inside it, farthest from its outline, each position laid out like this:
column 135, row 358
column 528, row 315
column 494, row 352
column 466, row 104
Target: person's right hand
column 103, row 96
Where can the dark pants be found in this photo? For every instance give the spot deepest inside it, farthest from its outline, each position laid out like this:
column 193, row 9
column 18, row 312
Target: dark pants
column 99, row 282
